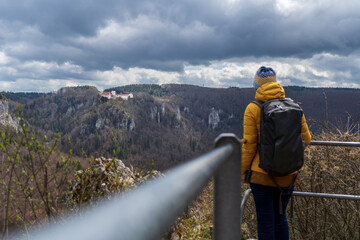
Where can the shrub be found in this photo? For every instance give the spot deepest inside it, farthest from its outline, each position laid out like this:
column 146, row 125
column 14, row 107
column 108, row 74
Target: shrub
column 329, row 170
column 33, row 178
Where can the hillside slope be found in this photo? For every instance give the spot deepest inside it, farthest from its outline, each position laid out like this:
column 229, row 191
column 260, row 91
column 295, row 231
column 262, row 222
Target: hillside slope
column 168, row 124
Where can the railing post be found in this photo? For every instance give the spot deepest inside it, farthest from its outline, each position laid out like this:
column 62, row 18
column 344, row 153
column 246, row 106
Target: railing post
column 227, row 192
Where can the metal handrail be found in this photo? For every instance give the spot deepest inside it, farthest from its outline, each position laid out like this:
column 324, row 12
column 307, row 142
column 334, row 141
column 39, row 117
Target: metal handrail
column 151, row 209
column 326, row 195
column 335, row 143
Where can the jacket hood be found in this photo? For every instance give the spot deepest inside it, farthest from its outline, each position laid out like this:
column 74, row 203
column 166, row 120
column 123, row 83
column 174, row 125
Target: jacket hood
column 269, row 91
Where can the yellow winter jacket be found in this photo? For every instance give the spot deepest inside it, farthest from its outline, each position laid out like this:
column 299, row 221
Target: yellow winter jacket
column 250, row 151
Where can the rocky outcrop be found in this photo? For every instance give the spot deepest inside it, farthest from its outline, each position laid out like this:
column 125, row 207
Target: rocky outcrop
column 99, row 123
column 186, row 110
column 178, row 114
column 214, row 118
column 70, row 110
column 123, row 123
column 5, row 117
column 131, row 125
column 178, row 118
column 116, row 118
column 153, row 112
column 157, row 113
column 106, row 176
column 80, row 105
column 163, row 109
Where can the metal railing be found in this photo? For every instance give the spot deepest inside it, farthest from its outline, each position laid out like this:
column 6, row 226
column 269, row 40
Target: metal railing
column 312, row 194
column 334, row 143
column 148, row 211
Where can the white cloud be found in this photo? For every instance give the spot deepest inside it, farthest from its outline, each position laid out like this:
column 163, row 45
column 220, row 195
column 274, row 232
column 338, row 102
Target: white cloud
column 43, row 70
column 317, row 71
column 3, row 58
column 119, row 77
column 287, row 7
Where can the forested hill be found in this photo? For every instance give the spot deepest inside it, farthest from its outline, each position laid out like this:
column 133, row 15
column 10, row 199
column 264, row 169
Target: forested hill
column 167, row 124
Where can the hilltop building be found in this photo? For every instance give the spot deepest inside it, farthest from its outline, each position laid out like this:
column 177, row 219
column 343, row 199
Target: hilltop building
column 108, row 95
column 126, row 96
column 113, row 95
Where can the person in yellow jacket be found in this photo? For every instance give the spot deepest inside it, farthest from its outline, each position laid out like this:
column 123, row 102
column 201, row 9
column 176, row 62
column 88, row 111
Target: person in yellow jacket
column 271, row 223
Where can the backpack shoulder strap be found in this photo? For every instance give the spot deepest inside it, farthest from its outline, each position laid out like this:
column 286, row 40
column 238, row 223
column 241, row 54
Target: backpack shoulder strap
column 257, row 103
column 292, row 100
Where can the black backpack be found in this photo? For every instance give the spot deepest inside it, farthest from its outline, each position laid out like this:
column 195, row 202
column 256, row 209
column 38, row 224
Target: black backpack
column 281, row 143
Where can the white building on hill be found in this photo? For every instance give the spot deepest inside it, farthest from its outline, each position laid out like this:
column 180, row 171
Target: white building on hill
column 126, row 96
column 113, row 95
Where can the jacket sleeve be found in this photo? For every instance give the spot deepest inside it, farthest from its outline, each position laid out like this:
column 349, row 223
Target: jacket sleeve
column 305, row 133
column 250, row 139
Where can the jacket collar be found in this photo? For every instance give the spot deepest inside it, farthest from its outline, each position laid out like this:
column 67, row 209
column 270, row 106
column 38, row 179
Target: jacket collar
column 269, row 91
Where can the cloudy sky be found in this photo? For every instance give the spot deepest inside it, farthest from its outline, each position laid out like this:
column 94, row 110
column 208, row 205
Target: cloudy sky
column 49, row 44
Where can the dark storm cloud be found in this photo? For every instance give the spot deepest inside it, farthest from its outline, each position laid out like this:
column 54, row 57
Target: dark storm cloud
column 166, row 34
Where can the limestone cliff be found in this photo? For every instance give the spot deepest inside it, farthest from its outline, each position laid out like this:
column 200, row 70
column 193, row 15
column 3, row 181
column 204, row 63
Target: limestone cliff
column 214, row 118
column 5, row 117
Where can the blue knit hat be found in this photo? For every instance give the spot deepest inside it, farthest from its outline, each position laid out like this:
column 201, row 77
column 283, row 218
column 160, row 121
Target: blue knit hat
column 264, row 75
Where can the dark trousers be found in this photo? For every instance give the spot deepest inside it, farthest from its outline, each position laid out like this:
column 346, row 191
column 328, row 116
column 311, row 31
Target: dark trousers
column 271, row 224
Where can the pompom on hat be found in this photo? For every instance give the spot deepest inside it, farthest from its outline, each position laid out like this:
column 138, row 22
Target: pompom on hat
column 264, row 75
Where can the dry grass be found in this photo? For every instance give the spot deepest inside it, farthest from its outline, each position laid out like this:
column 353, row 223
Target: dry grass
column 196, row 222
column 329, row 170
